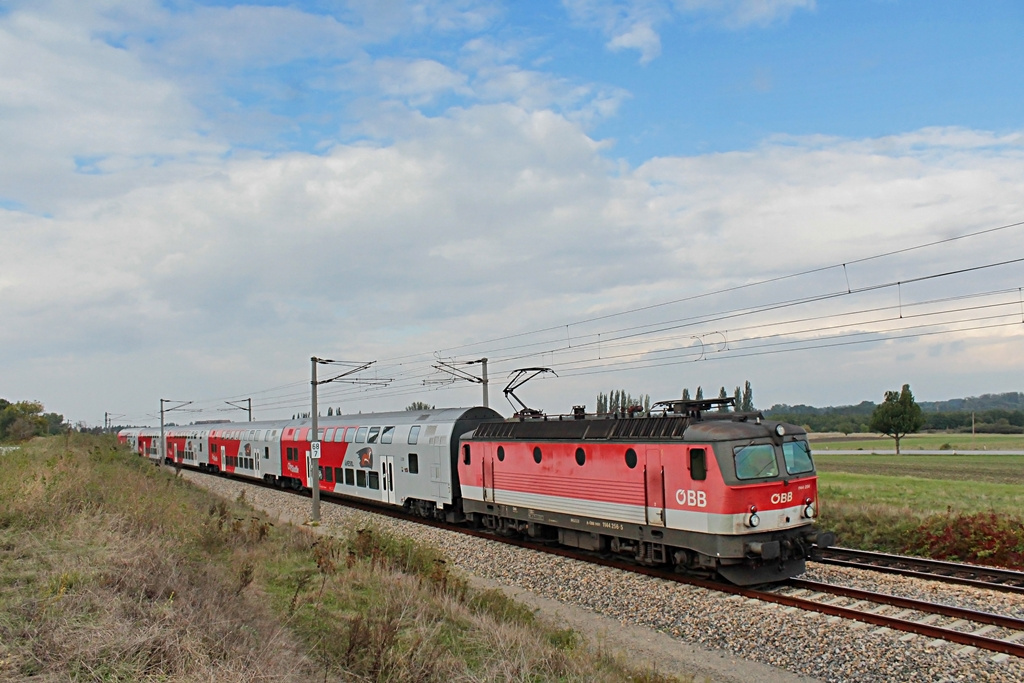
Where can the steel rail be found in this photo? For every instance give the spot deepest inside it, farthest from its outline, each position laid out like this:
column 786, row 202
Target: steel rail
column 978, row 576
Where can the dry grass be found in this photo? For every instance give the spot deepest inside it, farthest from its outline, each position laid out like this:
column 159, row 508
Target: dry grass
column 113, row 570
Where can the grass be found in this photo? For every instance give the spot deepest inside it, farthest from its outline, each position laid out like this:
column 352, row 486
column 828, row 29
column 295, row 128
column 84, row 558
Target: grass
column 113, row 570
column 990, row 469
column 950, row 507
column 923, row 442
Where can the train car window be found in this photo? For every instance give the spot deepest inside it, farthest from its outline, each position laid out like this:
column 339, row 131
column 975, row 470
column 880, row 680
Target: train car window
column 328, row 474
column 581, row 457
column 350, row 476
column 374, row 477
column 698, row 464
column 372, row 436
column 536, row 454
column 465, row 454
column 387, row 435
column 501, row 453
column 361, row 478
column 320, row 433
column 414, row 463
column 266, row 452
column 337, row 474
column 350, row 434
column 361, row 435
column 630, row 458
column 755, row 461
column 259, row 435
column 414, row 435
column 798, row 457
column 329, row 436
column 339, row 434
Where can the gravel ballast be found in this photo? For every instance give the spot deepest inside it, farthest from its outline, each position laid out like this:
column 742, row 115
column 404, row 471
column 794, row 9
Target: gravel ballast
column 716, row 635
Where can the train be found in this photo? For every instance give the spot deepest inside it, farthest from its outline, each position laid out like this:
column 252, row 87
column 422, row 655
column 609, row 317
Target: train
column 690, row 485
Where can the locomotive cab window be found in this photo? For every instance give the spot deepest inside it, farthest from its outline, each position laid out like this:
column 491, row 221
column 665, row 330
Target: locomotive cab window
column 798, row 457
column 755, row 461
column 698, row 464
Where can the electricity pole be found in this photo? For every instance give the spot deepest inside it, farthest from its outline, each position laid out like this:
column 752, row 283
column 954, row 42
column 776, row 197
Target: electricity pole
column 314, row 445
column 462, row 374
column 249, row 408
column 314, row 460
column 161, row 452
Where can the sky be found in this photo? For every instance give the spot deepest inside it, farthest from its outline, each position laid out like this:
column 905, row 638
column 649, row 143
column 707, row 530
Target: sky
column 824, row 198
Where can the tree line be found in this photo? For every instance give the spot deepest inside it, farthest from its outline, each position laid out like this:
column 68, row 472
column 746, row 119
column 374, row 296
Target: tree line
column 621, row 402
column 857, row 418
column 22, row 420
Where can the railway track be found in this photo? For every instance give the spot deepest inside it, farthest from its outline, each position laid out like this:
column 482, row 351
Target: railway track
column 970, row 628
column 992, row 578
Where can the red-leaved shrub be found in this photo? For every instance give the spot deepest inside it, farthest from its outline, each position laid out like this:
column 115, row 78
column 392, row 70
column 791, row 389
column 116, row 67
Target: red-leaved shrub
column 982, row 538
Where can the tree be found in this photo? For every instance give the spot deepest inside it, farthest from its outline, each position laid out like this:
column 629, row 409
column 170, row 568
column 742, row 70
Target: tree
column 897, row 416
column 419, row 405
column 699, row 396
column 747, row 404
column 22, row 420
column 722, row 395
column 737, row 401
column 686, row 394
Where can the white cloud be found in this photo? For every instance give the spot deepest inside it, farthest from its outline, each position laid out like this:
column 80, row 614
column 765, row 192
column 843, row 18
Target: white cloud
column 633, row 24
column 488, row 221
column 742, row 13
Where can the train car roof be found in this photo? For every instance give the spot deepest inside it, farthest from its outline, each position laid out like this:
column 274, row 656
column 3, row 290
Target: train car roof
column 398, row 417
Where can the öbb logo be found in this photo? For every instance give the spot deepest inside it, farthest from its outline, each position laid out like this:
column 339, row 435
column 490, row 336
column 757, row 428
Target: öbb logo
column 786, row 497
column 692, row 498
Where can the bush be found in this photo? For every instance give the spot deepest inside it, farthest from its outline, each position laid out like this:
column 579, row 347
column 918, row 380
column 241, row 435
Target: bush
column 982, row 538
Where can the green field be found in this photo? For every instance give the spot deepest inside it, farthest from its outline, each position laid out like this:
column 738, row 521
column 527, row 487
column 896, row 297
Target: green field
column 964, row 507
column 922, row 442
column 965, row 470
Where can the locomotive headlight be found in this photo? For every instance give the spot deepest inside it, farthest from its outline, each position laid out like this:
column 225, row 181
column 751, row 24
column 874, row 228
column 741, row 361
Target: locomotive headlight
column 809, row 510
column 753, row 520
column 780, row 430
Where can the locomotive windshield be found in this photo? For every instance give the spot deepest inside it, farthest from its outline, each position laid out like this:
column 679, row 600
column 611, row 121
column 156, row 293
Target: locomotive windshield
column 755, row 461
column 798, row 457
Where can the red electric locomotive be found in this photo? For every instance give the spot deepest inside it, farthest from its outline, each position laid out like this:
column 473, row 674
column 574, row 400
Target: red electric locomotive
column 721, row 493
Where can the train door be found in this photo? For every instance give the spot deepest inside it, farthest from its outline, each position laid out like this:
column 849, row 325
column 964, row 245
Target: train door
column 654, row 488
column 387, row 478
column 487, row 470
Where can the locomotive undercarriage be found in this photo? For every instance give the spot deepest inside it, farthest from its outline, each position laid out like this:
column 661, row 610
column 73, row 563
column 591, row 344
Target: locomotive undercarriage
column 741, row 559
